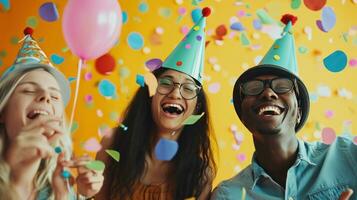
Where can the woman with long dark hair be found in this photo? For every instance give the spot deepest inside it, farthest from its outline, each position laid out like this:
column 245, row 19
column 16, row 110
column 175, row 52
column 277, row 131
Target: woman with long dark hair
column 160, row 156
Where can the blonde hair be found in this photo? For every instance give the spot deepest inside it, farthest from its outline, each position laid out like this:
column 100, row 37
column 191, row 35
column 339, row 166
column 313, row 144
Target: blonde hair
column 43, row 177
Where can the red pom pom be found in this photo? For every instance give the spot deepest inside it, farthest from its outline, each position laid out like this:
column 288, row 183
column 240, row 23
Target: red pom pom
column 287, row 18
column 28, row 31
column 206, row 11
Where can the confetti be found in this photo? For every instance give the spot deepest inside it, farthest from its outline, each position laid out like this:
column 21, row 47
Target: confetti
column 65, row 174
column 58, row 150
column 140, row 80
column 48, row 12
column 105, row 64
column 114, row 154
column 6, row 4
column 192, row 119
column 92, row 145
column 135, row 41
column 56, row 59
column 196, row 15
column 124, row 17
column 106, row 88
column 95, row 165
column 328, row 20
column 328, row 135
column 151, row 82
column 166, row 149
column 295, row 4
column 237, row 26
column 125, row 128
column 336, row 61
column 143, row 7
column 214, row 88
column 315, row 5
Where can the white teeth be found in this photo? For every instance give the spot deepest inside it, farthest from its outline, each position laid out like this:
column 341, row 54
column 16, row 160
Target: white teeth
column 273, row 109
column 41, row 112
column 173, row 105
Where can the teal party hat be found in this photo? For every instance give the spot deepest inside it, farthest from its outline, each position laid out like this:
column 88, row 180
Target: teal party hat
column 188, row 56
column 31, row 56
column 280, row 60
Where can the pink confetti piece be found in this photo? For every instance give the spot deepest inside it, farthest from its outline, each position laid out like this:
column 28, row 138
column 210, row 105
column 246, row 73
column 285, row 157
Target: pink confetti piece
column 241, row 157
column 88, row 76
column 353, row 62
column 214, row 88
column 184, row 30
column 88, row 98
column 92, row 145
column 329, row 114
column 328, row 135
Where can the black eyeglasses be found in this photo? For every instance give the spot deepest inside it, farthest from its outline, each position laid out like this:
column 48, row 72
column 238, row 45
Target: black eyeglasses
column 256, row 86
column 187, row 90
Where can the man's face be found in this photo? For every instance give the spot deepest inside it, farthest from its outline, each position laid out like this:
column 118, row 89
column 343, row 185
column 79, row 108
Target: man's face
column 270, row 112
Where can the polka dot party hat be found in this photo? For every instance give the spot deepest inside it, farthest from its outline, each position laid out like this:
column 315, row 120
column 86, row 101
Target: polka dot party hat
column 188, row 56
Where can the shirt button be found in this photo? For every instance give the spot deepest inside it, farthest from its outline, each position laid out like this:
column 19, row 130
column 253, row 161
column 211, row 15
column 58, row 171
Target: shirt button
column 290, row 198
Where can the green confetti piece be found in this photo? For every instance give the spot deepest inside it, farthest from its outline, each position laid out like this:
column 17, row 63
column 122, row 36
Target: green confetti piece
column 194, row 3
column 95, row 165
column 192, row 119
column 3, row 53
column 165, row 12
column 179, row 19
column 14, row 40
column 32, row 22
column 114, row 154
column 74, row 127
column 295, row 4
column 303, row 50
column 114, row 116
column 64, row 49
column 264, row 17
column 244, row 39
column 1, row 63
column 317, row 126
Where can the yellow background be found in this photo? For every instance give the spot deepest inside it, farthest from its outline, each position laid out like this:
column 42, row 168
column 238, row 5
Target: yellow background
column 231, row 57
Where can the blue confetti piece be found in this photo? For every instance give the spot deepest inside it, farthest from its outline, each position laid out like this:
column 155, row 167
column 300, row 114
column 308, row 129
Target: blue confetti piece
column 336, row 61
column 125, row 17
column 72, row 79
column 6, row 4
column 166, row 149
column 135, row 40
column 56, row 59
column 257, row 24
column 140, row 80
column 143, row 7
column 48, row 12
column 58, row 150
column 65, row 174
column 106, row 88
column 196, row 15
column 313, row 97
column 237, row 26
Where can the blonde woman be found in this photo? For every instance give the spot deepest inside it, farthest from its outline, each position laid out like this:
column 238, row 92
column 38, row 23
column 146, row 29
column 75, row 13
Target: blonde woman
column 33, row 96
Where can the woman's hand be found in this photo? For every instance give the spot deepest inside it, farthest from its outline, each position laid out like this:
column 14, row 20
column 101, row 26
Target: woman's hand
column 32, row 144
column 89, row 182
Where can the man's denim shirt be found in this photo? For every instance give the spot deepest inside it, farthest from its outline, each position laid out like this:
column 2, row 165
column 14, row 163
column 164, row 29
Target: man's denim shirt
column 320, row 172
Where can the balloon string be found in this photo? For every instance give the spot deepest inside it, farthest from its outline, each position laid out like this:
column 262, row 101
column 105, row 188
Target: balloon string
column 80, row 62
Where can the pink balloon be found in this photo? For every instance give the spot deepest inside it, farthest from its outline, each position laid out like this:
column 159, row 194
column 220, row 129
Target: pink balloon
column 91, row 27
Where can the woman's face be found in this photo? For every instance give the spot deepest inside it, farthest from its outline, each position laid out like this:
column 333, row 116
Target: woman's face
column 37, row 95
column 171, row 110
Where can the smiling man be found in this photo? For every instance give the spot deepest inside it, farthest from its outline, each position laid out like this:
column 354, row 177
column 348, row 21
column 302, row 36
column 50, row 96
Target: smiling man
column 273, row 103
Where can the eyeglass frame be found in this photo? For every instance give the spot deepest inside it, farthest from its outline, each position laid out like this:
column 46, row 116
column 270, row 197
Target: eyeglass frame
column 269, row 82
column 198, row 88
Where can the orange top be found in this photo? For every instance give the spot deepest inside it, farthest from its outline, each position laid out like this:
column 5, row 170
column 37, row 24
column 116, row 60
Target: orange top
column 151, row 192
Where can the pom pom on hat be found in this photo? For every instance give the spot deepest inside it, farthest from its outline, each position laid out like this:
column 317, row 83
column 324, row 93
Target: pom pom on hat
column 206, row 12
column 288, row 17
column 28, row 31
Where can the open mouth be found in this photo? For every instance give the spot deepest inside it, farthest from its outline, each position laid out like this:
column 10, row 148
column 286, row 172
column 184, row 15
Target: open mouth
column 36, row 113
column 269, row 110
column 173, row 109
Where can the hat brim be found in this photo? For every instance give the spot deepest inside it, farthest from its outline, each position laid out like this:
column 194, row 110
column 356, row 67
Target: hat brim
column 267, row 69
column 60, row 78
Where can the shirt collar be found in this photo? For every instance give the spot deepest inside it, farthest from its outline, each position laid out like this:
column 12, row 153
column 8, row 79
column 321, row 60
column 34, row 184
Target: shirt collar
column 259, row 172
